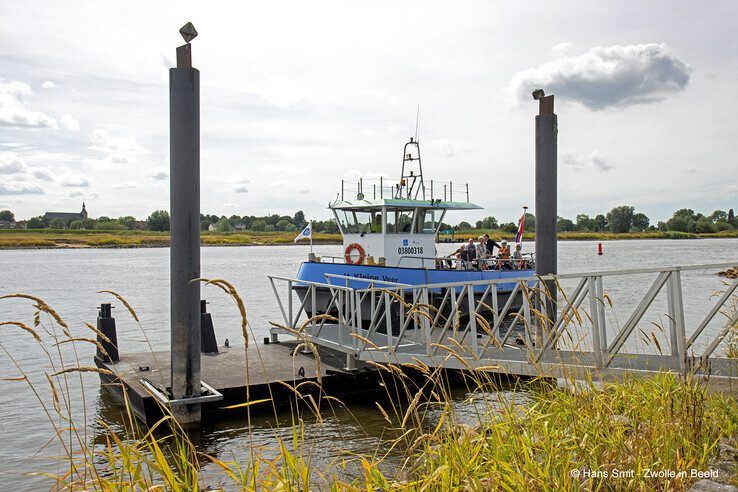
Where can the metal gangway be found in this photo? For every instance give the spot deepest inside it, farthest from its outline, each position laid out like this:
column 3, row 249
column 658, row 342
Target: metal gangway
column 600, row 328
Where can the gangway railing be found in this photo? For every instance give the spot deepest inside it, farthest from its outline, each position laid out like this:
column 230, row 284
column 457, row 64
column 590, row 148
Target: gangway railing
column 522, row 326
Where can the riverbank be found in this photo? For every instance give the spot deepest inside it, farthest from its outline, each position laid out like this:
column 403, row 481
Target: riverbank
column 43, row 238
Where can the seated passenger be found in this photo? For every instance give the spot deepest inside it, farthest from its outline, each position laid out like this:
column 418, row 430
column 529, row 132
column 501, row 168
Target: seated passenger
column 517, row 257
column 503, row 257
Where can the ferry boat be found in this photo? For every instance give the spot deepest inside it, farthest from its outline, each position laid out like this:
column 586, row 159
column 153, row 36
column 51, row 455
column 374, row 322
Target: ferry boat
column 390, row 239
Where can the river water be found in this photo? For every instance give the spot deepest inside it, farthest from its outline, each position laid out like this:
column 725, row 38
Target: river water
column 68, row 280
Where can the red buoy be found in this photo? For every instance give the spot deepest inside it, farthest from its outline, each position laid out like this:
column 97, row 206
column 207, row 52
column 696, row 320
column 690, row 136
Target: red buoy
column 599, row 249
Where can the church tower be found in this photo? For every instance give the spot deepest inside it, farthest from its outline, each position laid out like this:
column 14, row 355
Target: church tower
column 84, row 211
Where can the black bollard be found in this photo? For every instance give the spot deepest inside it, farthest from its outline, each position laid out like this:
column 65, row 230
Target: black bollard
column 208, row 344
column 106, row 326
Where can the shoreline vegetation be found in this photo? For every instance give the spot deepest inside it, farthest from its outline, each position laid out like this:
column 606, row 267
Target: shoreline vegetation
column 71, row 238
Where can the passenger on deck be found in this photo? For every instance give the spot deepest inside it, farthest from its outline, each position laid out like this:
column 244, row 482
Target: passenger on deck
column 470, row 254
column 490, row 244
column 503, row 257
column 481, row 253
column 517, row 257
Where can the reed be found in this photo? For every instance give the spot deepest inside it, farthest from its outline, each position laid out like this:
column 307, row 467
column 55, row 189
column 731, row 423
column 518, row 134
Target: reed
column 532, row 436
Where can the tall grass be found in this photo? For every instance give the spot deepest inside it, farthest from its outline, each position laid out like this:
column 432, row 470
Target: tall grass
column 535, row 436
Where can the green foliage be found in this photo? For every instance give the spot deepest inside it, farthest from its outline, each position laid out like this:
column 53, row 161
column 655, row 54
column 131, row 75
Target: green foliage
column 269, row 228
column 282, row 224
column 223, row 225
column 7, row 215
column 463, row 226
column 158, row 221
column 599, row 223
column 82, row 224
column 57, row 223
column 110, row 225
column 127, row 221
column 37, row 222
column 563, row 224
column 620, row 218
column 259, row 225
column 640, row 222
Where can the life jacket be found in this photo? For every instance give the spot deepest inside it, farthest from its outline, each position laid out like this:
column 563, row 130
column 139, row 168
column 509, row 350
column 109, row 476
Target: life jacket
column 504, row 253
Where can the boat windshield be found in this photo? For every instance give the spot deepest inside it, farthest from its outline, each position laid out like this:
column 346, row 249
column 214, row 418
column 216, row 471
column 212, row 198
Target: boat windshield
column 360, row 221
column 428, row 221
column 399, row 220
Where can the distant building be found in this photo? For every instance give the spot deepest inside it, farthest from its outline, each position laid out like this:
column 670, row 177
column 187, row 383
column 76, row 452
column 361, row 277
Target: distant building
column 67, row 216
column 240, row 227
column 7, row 224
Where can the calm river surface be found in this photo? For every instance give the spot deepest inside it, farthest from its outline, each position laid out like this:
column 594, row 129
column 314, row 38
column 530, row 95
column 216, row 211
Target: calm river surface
column 69, row 280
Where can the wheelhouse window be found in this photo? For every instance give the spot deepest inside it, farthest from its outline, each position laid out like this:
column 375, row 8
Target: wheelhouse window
column 428, row 220
column 399, row 220
column 360, row 221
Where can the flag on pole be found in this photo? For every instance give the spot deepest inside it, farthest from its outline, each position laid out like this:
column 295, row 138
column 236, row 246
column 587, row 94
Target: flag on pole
column 521, row 227
column 307, row 233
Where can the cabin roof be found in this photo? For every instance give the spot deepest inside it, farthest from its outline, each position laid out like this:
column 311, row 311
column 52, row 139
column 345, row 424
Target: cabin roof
column 403, row 203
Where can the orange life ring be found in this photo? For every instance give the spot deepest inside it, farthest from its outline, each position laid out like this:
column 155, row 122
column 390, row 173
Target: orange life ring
column 349, row 249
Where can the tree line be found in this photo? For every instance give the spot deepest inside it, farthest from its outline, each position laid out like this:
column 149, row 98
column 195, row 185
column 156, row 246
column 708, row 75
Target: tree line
column 619, row 220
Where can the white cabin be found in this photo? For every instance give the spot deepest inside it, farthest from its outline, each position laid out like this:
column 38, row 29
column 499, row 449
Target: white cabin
column 400, row 231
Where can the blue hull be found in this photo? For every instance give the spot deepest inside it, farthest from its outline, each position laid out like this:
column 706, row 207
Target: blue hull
column 315, row 272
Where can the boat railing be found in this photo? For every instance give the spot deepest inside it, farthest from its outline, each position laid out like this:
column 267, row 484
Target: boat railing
column 464, row 264
column 381, row 188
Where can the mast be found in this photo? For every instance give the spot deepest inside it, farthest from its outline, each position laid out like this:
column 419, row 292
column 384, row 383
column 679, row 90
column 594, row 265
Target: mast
column 411, row 183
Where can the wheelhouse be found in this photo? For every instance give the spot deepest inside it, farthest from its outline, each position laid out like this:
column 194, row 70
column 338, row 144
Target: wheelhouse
column 394, row 232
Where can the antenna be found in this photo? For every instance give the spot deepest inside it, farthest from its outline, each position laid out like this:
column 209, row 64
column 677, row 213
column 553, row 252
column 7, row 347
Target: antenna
column 417, row 119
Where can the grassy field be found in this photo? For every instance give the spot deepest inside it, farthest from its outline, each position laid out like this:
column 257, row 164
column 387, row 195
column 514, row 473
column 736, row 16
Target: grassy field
column 45, row 238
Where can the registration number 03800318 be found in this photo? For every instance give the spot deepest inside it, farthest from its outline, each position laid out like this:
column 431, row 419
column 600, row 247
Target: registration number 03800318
column 410, row 250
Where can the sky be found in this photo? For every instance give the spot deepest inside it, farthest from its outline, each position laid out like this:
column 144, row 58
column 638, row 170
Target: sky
column 297, row 96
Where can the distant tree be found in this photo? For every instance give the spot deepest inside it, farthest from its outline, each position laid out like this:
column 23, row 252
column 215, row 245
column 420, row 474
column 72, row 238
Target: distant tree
column 35, row 223
column 87, row 224
column 272, row 219
column 299, row 220
column 530, row 222
column 512, row 226
column 291, row 227
column 719, row 215
column 330, row 227
column 731, row 218
column 258, row 225
column 224, row 224
column 599, row 223
column 57, row 223
column 7, row 215
column 103, row 218
column 158, row 221
column 662, row 225
column 478, row 224
column 703, row 224
column 489, row 223
column 640, row 222
column 127, row 221
column 563, row 224
column 722, row 225
column 620, row 218
column 247, row 220
column 282, row 225
column 269, row 228
column 110, row 225
column 463, row 226
column 679, row 223
column 584, row 223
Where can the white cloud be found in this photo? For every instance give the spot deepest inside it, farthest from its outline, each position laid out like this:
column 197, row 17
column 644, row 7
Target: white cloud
column 126, row 185
column 241, row 188
column 450, row 148
column 7, row 188
column 71, row 180
column 48, row 85
column 10, row 163
column 732, row 189
column 158, row 173
column 118, row 150
column 68, row 122
column 13, row 111
column 595, row 160
column 41, row 173
column 607, row 76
